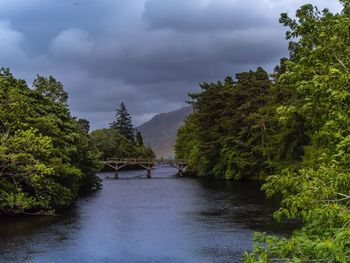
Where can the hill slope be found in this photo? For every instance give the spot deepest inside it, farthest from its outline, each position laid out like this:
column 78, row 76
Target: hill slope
column 160, row 131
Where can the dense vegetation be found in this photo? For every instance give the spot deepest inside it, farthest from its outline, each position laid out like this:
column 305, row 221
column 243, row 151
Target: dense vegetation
column 294, row 129
column 121, row 140
column 235, row 132
column 46, row 157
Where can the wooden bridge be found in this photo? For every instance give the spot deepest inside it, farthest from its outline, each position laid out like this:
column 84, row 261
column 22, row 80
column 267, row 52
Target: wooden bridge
column 148, row 164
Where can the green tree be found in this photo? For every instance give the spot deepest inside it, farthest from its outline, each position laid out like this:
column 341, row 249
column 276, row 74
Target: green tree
column 286, row 137
column 187, row 144
column 51, row 88
column 226, row 135
column 242, row 152
column 46, row 159
column 112, row 144
column 139, row 139
column 319, row 192
column 84, row 125
column 5, row 73
column 123, row 123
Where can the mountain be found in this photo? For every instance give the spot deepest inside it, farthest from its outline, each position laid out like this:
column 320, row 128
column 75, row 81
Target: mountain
column 160, row 132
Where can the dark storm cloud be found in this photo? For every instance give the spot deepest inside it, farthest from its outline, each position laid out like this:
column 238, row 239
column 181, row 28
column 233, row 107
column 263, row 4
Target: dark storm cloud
column 147, row 53
column 205, row 16
column 163, row 57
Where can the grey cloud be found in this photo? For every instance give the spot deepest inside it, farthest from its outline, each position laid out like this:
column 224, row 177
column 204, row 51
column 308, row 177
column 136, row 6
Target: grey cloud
column 11, row 44
column 147, row 53
column 72, row 42
column 156, row 58
column 211, row 15
column 42, row 20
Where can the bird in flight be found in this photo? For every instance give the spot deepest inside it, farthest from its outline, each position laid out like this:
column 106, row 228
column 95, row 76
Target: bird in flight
column 76, row 4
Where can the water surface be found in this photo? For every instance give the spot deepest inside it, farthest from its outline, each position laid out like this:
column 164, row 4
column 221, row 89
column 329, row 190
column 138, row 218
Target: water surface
column 134, row 219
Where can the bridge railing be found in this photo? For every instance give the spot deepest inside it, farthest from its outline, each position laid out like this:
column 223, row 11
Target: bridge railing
column 146, row 161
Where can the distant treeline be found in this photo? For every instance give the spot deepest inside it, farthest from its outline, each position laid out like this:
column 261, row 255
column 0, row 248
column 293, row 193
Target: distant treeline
column 46, row 156
column 291, row 127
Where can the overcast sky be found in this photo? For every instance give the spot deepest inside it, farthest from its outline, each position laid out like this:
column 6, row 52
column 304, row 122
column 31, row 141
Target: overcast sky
column 147, row 53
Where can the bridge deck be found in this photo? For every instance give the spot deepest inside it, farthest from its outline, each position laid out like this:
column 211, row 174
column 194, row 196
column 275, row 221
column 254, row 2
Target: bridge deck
column 147, row 164
column 147, row 161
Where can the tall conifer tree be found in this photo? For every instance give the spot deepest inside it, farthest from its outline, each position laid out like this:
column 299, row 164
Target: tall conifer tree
column 139, row 139
column 123, row 124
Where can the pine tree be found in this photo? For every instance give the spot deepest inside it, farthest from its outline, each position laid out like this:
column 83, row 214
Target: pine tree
column 139, row 139
column 123, row 124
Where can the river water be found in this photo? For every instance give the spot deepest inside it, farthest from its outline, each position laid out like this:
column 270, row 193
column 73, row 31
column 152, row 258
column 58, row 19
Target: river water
column 134, row 219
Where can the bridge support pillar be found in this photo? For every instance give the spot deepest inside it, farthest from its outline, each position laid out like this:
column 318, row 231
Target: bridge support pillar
column 149, row 173
column 116, row 172
column 180, row 170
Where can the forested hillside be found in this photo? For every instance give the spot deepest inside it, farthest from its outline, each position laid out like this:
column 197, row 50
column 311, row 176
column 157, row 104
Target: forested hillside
column 293, row 128
column 46, row 156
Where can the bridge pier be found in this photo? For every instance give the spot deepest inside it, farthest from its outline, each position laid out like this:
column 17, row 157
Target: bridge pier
column 116, row 172
column 180, row 170
column 149, row 171
column 117, row 167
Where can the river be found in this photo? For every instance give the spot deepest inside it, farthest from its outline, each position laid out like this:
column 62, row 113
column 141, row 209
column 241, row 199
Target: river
column 134, row 219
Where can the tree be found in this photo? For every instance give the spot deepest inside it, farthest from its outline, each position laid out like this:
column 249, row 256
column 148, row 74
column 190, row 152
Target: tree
column 226, row 135
column 187, row 144
column 112, row 144
column 123, row 124
column 139, row 139
column 5, row 73
column 242, row 151
column 318, row 192
column 84, row 125
column 51, row 88
column 46, row 159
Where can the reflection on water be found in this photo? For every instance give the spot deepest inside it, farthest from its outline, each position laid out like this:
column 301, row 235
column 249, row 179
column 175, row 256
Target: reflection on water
column 163, row 219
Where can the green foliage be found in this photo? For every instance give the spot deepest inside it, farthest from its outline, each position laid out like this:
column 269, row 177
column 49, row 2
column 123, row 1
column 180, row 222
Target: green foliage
column 46, row 159
column 51, row 88
column 294, row 127
column 123, row 124
column 112, row 144
column 118, row 141
column 320, row 198
column 187, row 144
column 139, row 139
column 84, row 125
column 234, row 131
column 318, row 193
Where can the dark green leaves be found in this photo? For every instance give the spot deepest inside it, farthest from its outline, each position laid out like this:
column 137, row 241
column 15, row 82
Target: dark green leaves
column 46, row 157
